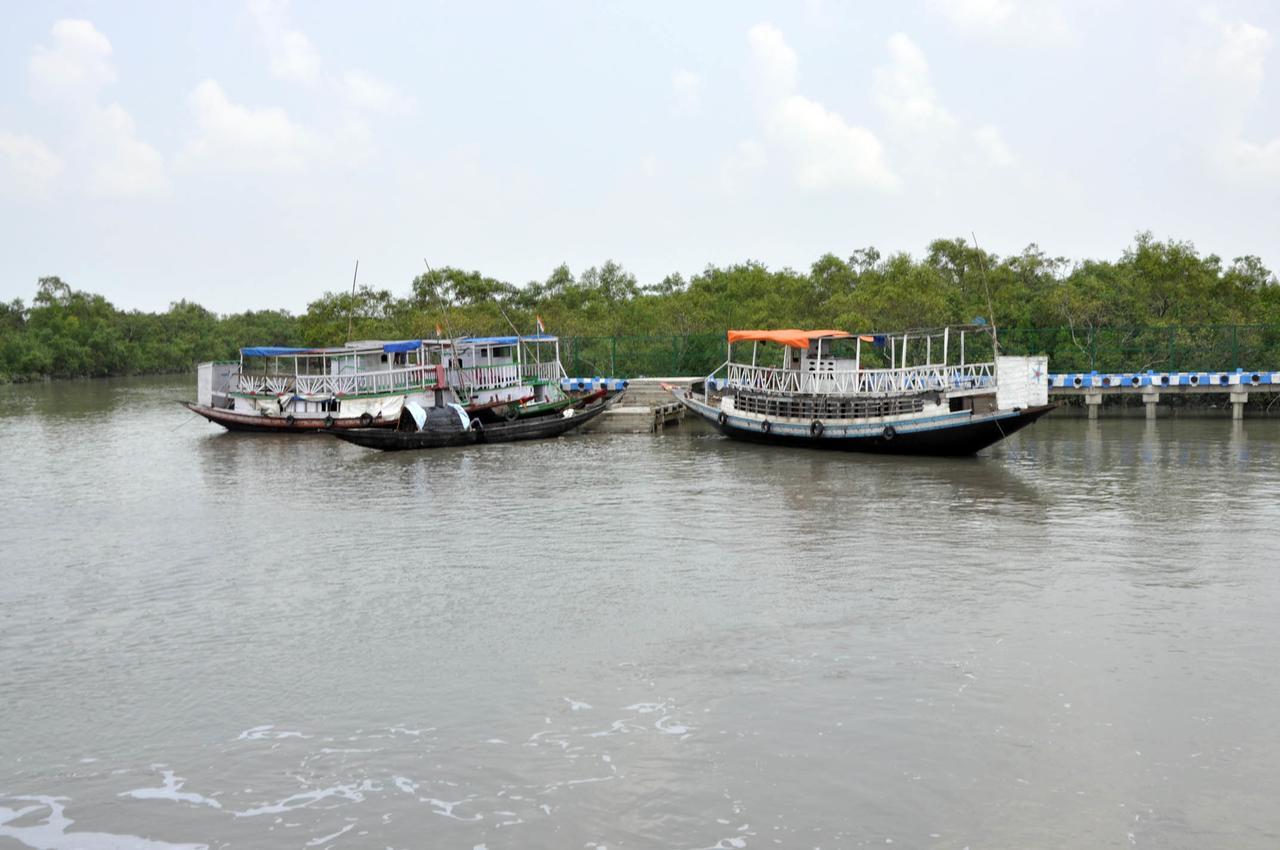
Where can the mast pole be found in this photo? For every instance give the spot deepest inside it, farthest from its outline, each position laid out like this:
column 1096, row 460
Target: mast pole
column 351, row 308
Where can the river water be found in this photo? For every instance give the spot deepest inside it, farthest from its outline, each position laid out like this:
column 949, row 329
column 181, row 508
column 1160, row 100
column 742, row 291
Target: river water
column 631, row 642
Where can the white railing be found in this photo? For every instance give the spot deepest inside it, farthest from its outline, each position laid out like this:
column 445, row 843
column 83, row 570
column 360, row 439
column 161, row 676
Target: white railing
column 551, row 371
column 388, row 381
column 863, row 382
column 486, row 377
column 265, row 384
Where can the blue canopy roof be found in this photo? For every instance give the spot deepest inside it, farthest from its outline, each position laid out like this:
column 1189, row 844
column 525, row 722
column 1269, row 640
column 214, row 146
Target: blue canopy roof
column 508, row 340
column 286, row 351
column 274, row 351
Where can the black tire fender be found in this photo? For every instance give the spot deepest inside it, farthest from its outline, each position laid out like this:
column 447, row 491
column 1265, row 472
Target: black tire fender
column 328, row 421
column 765, row 426
column 289, row 420
column 889, row 433
column 365, row 419
column 722, row 418
column 816, row 428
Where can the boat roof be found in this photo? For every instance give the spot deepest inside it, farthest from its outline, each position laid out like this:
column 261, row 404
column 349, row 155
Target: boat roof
column 388, row 346
column 790, row 337
column 506, row 340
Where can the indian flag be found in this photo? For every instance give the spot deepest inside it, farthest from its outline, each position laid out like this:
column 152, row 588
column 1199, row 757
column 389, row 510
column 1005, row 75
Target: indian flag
column 541, row 327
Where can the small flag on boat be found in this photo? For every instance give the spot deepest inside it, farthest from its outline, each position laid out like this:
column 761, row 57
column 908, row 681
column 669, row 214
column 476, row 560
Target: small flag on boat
column 439, row 333
column 541, row 327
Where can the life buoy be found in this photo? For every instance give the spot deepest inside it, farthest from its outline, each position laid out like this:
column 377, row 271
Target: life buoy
column 328, row 421
column 289, row 420
column 722, row 418
column 765, row 426
column 889, row 433
column 816, row 428
column 366, row 419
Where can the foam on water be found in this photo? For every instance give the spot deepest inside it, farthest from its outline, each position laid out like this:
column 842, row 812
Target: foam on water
column 171, row 790
column 353, row 792
column 316, row 842
column 52, row 832
column 268, row 733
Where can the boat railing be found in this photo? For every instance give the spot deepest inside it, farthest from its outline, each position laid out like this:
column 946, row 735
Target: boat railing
column 911, row 379
column 486, row 377
column 550, row 371
column 387, row 381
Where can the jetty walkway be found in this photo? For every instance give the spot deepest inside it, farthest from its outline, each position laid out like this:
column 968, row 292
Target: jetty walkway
column 1095, row 386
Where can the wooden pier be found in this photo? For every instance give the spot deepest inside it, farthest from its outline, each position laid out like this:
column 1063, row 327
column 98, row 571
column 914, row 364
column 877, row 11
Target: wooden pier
column 1095, row 386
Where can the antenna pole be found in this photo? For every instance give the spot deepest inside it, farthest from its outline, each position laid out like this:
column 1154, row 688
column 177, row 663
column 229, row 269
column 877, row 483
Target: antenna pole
column 352, row 306
column 986, row 284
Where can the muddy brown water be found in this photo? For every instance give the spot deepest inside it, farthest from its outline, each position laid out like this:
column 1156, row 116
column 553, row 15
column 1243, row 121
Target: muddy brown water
column 630, row 641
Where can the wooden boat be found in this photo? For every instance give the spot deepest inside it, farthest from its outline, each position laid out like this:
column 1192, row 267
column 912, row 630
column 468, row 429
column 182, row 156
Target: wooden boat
column 533, row 428
column 830, row 392
column 278, row 389
column 281, row 389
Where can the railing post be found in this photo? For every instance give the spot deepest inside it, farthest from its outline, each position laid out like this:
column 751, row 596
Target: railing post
column 1235, row 346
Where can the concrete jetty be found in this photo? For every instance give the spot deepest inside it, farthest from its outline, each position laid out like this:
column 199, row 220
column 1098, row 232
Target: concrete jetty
column 1095, row 386
column 645, row 408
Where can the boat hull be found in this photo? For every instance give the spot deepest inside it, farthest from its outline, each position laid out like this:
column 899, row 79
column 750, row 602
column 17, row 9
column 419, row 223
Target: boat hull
column 539, row 428
column 950, row 436
column 258, row 424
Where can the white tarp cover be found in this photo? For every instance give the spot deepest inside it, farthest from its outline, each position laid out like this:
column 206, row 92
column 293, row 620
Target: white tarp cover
column 416, row 411
column 388, row 407
column 462, row 416
column 1022, row 382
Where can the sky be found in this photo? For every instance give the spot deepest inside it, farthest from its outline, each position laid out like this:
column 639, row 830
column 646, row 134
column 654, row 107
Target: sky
column 244, row 155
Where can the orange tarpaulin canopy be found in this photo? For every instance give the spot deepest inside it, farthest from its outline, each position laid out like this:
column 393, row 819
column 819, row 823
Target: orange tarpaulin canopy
column 790, row 337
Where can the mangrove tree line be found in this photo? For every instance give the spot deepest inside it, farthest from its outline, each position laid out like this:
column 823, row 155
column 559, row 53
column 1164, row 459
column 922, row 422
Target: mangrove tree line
column 1039, row 301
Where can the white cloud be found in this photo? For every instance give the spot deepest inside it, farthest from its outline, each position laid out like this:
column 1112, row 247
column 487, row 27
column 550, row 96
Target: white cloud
column 70, row 75
column 291, row 54
column 363, row 90
column 904, row 92
column 991, row 142
column 123, row 166
column 826, row 151
column 687, row 87
column 1246, row 159
column 236, row 138
column 27, row 166
column 77, row 65
column 747, row 158
column 1231, row 60
column 1009, row 21
column 929, row 142
column 649, row 166
column 774, row 62
column 1232, row 56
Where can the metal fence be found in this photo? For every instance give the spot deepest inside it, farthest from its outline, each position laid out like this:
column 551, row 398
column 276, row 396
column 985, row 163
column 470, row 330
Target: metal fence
column 1120, row 349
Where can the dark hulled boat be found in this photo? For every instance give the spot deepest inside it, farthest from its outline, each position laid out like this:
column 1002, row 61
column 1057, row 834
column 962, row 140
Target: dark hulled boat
column 828, row 392
column 435, row 436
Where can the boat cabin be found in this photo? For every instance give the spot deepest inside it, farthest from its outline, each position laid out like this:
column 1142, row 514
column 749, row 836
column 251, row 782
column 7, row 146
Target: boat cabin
column 834, row 363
